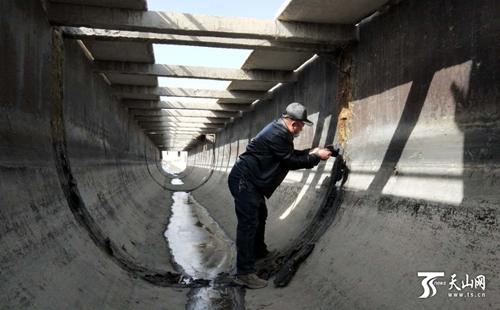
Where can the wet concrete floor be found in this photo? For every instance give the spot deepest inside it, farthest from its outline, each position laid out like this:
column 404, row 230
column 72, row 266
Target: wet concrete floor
column 201, row 250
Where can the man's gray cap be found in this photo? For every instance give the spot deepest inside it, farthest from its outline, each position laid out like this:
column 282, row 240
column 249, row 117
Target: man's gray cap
column 298, row 112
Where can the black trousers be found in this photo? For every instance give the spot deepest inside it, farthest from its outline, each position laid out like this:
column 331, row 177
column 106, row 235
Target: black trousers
column 251, row 212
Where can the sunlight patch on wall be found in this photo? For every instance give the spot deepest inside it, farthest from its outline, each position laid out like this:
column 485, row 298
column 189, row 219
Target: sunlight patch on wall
column 431, row 164
column 297, row 200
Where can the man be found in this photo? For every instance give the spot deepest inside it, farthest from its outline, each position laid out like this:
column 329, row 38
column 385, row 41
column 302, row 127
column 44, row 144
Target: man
column 256, row 174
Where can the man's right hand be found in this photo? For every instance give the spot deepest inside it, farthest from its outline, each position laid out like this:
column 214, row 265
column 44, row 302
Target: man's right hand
column 324, row 154
column 334, row 149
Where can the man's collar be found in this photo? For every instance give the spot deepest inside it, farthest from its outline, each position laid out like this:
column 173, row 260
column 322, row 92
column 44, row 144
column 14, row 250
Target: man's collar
column 281, row 124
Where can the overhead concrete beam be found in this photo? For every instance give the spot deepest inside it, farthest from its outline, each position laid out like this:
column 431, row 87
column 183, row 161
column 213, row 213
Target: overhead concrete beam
column 172, row 148
column 194, row 72
column 331, row 11
column 179, row 129
column 176, row 146
column 181, row 139
column 181, row 119
column 173, row 124
column 184, row 139
column 171, row 129
column 174, row 142
column 125, row 91
column 183, row 142
column 176, row 129
column 208, row 105
column 236, row 100
column 160, row 38
column 181, row 112
column 192, row 136
column 169, row 132
column 197, row 25
column 175, row 136
column 160, row 132
column 179, row 133
column 157, row 141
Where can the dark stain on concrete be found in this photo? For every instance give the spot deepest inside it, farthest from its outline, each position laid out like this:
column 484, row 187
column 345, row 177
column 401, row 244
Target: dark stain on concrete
column 285, row 266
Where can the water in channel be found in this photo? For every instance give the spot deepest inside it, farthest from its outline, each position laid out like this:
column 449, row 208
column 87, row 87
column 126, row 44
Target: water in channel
column 202, row 250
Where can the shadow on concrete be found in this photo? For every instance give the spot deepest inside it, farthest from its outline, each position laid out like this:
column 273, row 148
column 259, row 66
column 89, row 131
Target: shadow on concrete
column 434, row 47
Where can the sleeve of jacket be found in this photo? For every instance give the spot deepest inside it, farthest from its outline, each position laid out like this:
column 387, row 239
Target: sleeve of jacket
column 301, row 152
column 294, row 159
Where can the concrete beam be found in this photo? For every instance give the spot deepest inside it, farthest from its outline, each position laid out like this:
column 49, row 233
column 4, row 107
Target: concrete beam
column 165, row 136
column 173, row 142
column 161, row 139
column 176, row 134
column 172, row 147
column 180, row 112
column 185, row 129
column 169, row 132
column 164, row 132
column 208, row 105
column 180, row 129
column 189, row 130
column 194, row 72
column 127, row 91
column 160, row 132
column 176, row 146
column 172, row 124
column 181, row 119
column 159, row 38
column 331, row 11
column 236, row 100
column 196, row 25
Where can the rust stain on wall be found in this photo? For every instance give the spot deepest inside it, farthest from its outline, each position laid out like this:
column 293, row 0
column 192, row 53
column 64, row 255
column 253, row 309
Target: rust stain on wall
column 344, row 96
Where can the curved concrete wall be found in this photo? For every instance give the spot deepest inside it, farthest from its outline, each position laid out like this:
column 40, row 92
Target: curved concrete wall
column 82, row 220
column 416, row 105
column 83, row 202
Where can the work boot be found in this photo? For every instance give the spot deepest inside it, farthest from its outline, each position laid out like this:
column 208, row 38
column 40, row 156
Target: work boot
column 250, row 280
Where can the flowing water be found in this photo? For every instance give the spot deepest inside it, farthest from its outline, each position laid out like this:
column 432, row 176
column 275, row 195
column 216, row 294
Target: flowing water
column 201, row 249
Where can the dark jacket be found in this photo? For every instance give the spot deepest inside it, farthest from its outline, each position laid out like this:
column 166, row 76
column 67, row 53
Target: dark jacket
column 270, row 155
